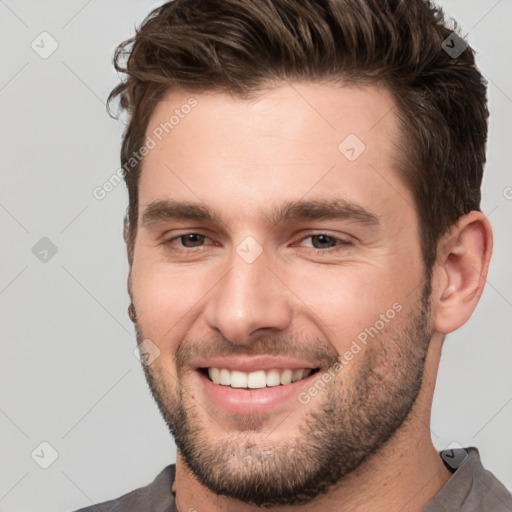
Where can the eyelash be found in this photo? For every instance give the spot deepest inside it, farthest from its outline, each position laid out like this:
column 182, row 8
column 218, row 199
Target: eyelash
column 341, row 243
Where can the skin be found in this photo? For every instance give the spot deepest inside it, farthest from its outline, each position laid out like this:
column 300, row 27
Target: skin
column 240, row 158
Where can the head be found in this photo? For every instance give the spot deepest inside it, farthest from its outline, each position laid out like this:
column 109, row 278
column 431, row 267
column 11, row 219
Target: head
column 342, row 122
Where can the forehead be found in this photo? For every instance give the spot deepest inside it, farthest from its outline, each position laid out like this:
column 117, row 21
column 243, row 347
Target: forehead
column 289, row 142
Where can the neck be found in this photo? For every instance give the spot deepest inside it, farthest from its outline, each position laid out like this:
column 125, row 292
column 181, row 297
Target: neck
column 405, row 473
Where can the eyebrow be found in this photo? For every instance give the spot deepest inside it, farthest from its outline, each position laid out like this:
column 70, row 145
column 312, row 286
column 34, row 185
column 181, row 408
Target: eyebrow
column 331, row 209
column 292, row 211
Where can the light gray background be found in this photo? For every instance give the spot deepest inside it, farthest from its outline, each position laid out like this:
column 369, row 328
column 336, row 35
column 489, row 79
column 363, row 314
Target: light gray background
column 68, row 375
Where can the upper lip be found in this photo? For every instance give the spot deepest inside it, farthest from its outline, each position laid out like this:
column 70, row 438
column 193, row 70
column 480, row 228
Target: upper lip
column 252, row 363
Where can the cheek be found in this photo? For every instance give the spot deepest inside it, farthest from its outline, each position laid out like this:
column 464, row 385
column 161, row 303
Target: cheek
column 166, row 298
column 351, row 303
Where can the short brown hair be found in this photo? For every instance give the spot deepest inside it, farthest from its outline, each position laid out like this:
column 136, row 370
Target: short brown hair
column 243, row 46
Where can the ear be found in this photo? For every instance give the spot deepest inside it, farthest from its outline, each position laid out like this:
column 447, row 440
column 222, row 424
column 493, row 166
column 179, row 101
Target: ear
column 461, row 270
column 125, row 238
column 126, row 227
column 129, row 284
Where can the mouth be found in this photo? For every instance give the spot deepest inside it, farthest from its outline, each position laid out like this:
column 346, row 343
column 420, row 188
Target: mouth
column 257, row 379
column 249, row 385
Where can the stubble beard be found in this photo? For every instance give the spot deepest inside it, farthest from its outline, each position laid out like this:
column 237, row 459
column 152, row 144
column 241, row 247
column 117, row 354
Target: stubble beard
column 347, row 422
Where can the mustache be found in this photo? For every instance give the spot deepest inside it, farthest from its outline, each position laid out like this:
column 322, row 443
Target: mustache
column 316, row 351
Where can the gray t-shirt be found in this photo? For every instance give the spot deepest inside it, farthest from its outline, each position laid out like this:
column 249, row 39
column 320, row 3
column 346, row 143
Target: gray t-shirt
column 470, row 489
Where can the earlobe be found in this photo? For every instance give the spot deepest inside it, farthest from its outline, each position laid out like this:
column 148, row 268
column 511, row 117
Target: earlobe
column 463, row 261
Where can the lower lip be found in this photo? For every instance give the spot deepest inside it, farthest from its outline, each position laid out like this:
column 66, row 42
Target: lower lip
column 252, row 401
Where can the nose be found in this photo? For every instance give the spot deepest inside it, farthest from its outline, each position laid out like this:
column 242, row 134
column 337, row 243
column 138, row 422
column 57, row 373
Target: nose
column 248, row 301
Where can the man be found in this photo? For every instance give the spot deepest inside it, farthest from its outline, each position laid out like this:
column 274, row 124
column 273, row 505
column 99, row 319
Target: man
column 303, row 231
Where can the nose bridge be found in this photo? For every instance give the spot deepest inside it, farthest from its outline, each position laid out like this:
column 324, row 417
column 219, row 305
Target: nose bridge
column 249, row 297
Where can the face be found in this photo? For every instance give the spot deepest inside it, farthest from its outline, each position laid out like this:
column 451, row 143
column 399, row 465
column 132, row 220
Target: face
column 277, row 274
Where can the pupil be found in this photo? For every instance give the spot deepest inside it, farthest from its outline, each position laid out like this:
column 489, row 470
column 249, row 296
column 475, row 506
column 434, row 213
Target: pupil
column 193, row 239
column 325, row 240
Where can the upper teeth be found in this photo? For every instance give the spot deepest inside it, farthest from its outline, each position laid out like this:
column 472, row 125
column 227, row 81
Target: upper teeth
column 258, row 379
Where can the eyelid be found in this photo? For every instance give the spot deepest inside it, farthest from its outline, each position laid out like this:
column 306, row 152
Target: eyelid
column 342, row 241
column 344, row 238
column 339, row 250
column 172, row 234
column 167, row 240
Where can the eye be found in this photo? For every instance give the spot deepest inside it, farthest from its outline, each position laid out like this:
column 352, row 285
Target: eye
column 325, row 243
column 319, row 242
column 188, row 240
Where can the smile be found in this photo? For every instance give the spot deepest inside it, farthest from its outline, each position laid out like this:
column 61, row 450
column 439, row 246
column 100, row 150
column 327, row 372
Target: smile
column 257, row 379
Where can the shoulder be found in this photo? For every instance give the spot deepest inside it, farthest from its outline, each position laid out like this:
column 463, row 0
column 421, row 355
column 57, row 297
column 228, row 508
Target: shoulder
column 155, row 496
column 487, row 492
column 472, row 488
